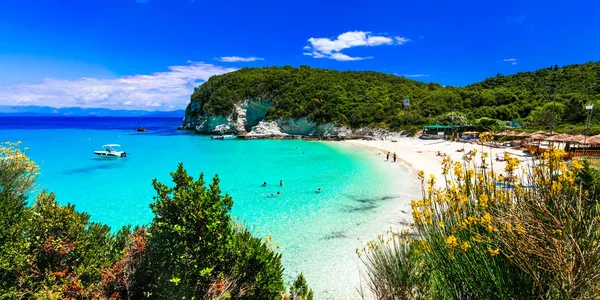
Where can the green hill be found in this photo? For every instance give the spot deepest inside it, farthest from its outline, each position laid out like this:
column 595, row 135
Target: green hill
column 356, row 99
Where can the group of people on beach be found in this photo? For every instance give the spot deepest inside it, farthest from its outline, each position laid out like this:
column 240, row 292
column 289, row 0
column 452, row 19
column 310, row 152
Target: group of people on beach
column 281, row 185
column 387, row 156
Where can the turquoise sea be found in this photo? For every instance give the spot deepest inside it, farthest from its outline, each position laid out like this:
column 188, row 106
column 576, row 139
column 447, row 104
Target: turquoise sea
column 317, row 232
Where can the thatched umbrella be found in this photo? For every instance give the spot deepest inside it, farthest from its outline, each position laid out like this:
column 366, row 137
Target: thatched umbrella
column 540, row 132
column 559, row 138
column 524, row 134
column 538, row 137
column 580, row 139
column 594, row 139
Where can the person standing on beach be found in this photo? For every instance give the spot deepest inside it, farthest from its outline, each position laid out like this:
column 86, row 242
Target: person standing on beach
column 280, row 182
column 394, row 156
column 387, row 156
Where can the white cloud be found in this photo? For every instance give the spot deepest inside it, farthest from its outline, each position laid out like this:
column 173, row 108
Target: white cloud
column 415, row 75
column 157, row 91
column 239, row 59
column 331, row 48
column 344, row 57
column 510, row 59
column 400, row 40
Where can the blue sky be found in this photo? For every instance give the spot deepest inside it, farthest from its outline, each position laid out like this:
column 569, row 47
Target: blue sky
column 148, row 54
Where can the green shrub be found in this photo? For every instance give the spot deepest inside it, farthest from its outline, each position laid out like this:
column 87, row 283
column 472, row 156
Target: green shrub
column 191, row 249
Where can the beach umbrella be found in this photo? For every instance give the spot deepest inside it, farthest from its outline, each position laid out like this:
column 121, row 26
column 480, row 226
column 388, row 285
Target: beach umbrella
column 540, row 132
column 559, row 138
column 580, row 138
column 594, row 139
column 538, row 136
column 512, row 133
column 524, row 134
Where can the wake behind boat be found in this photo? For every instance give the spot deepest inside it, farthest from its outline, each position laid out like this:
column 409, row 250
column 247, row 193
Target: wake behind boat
column 110, row 152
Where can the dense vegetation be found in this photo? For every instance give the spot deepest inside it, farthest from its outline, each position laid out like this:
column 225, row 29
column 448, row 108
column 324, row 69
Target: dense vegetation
column 487, row 237
column 357, row 99
column 192, row 250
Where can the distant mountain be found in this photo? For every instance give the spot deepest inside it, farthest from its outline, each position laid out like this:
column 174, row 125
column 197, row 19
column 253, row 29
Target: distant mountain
column 46, row 111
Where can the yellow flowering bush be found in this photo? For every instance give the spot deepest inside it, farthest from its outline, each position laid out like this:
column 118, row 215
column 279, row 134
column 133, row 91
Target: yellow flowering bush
column 530, row 232
column 17, row 171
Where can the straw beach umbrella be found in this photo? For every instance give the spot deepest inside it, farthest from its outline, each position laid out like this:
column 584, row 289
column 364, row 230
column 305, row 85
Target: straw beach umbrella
column 524, row 134
column 594, row 139
column 538, row 137
column 559, row 138
column 580, row 139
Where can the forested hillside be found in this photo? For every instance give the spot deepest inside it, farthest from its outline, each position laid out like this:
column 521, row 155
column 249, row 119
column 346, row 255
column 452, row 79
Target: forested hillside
column 374, row 99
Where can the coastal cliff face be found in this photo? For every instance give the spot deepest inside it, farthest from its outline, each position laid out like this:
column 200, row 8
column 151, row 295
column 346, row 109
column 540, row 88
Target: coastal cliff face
column 248, row 118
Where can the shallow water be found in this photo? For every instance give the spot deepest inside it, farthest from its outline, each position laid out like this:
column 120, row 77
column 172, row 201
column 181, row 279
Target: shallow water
column 317, row 232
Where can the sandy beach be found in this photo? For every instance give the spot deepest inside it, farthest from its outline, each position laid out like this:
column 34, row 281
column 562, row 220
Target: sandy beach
column 423, row 155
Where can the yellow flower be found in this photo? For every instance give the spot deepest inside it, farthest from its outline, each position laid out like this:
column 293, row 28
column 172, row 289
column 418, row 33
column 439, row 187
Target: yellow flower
column 577, row 165
column 483, row 200
column 486, row 221
column 494, row 252
column 477, row 238
column 465, row 245
column 451, row 241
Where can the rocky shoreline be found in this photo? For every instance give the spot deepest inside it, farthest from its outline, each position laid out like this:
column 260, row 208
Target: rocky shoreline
column 247, row 121
column 370, row 134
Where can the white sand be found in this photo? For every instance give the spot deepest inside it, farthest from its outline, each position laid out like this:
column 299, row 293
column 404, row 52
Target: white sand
column 422, row 154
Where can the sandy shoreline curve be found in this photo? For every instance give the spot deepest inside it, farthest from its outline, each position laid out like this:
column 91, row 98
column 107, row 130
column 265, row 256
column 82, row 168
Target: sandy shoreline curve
column 423, row 155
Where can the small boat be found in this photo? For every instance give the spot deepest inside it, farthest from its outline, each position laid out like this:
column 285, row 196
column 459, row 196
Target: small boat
column 110, row 152
column 223, row 137
column 141, row 129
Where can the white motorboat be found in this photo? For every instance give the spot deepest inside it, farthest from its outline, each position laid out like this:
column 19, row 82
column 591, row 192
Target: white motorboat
column 109, row 151
column 223, row 137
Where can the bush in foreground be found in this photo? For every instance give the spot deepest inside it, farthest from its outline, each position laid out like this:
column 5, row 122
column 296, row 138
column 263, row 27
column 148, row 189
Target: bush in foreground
column 489, row 236
column 191, row 250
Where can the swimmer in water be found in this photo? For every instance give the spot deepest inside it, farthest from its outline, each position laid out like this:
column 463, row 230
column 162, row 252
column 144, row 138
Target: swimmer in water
column 264, row 184
column 318, row 190
column 274, row 195
column 280, row 182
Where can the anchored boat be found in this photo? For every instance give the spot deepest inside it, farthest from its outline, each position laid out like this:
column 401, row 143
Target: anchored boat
column 223, row 137
column 110, row 152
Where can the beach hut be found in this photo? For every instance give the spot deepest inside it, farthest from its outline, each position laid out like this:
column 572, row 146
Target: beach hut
column 580, row 145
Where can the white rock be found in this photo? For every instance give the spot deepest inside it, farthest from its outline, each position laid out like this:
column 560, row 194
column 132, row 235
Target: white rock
column 266, row 128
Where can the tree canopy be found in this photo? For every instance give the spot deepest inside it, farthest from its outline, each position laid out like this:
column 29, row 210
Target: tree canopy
column 359, row 98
